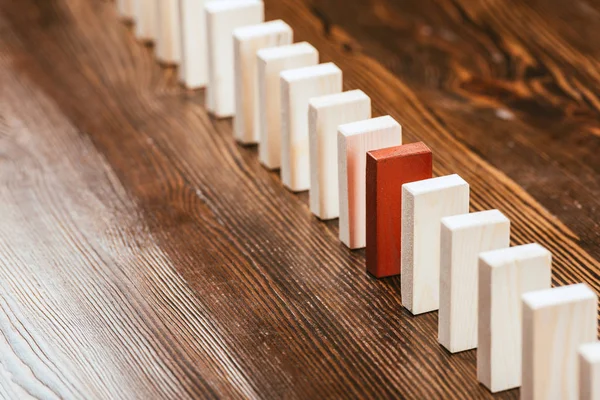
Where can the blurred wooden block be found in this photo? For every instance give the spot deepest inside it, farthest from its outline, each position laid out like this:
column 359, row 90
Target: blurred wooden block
column 325, row 114
column 424, row 204
column 354, row 140
column 298, row 86
column 387, row 170
column 463, row 237
column 589, row 371
column 126, row 10
column 504, row 276
column 145, row 18
column 246, row 43
column 222, row 18
column 267, row 111
column 556, row 322
column 168, row 32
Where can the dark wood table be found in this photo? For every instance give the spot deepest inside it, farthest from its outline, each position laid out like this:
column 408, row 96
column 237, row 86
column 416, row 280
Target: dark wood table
column 143, row 253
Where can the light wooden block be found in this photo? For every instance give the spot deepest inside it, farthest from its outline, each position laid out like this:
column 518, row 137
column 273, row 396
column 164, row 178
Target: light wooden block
column 354, row 140
column 463, row 237
column 424, row 204
column 168, row 32
column 145, row 18
column 298, row 86
column 555, row 323
column 222, row 18
column 325, row 114
column 246, row 43
column 504, row 276
column 267, row 111
column 589, row 371
column 126, row 9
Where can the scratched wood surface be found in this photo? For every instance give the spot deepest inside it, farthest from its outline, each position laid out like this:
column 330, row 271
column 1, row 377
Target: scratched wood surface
column 143, row 254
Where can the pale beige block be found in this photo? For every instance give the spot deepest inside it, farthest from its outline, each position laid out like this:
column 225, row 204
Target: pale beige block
column 168, row 32
column 589, row 371
column 555, row 323
column 424, row 203
column 354, row 140
column 463, row 237
column 246, row 43
column 298, row 86
column 504, row 276
column 222, row 18
column 126, row 9
column 267, row 111
column 325, row 114
column 145, row 18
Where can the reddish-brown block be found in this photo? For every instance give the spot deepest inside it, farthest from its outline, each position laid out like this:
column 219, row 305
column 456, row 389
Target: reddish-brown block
column 387, row 170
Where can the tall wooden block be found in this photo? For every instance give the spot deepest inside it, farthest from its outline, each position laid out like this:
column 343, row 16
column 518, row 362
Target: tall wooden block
column 168, row 32
column 463, row 237
column 298, row 86
column 589, row 371
column 556, row 322
column 126, row 9
column 504, row 276
column 325, row 114
column 222, row 18
column 246, row 43
column 267, row 110
column 354, row 141
column 387, row 170
column 424, row 203
column 145, row 17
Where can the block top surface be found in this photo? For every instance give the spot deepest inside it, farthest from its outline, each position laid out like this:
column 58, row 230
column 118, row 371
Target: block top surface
column 434, row 184
column 338, row 99
column 290, row 50
column 313, row 71
column 368, row 125
column 591, row 352
column 258, row 30
column 558, row 295
column 410, row 149
column 213, row 7
column 499, row 258
column 471, row 220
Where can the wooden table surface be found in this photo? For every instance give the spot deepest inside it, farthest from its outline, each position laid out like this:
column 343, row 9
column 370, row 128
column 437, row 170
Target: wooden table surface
column 144, row 254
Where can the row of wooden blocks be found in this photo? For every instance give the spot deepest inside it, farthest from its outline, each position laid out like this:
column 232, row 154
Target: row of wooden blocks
column 490, row 296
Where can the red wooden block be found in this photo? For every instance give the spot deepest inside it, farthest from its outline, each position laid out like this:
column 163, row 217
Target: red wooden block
column 387, row 170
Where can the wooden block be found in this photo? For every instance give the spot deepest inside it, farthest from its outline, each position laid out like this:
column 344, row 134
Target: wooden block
column 222, row 18
column 325, row 114
column 168, row 32
column 267, row 111
column 298, row 86
column 589, row 371
column 555, row 323
column 246, row 43
column 463, row 237
column 145, row 17
column 424, row 203
column 354, row 140
column 387, row 170
column 126, row 10
column 504, row 276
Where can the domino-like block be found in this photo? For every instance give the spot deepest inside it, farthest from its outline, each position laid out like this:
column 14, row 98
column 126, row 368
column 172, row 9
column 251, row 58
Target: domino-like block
column 145, row 18
column 298, row 86
column 504, row 276
column 354, row 140
column 325, row 114
column 267, row 111
column 222, row 18
column 246, row 43
column 556, row 322
column 168, row 32
column 424, row 204
column 589, row 371
column 463, row 237
column 387, row 170
column 126, row 9
column 193, row 70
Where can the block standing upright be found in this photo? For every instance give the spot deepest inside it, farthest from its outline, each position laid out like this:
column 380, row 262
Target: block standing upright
column 168, row 32
column 589, row 371
column 145, row 20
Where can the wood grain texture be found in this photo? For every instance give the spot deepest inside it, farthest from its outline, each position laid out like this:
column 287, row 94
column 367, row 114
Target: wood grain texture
column 146, row 255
